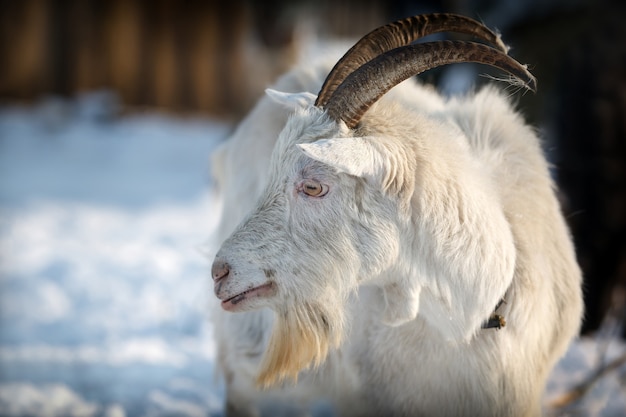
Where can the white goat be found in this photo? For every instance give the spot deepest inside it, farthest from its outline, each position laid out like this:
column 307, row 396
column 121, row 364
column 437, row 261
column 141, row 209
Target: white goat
column 388, row 230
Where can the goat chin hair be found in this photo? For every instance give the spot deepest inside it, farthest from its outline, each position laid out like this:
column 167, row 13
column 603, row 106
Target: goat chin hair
column 301, row 338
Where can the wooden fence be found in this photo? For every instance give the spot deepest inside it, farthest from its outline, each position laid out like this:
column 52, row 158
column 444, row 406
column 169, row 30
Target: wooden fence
column 175, row 55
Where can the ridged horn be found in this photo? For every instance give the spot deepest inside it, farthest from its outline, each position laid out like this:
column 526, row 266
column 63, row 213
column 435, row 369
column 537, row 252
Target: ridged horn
column 363, row 87
column 401, row 33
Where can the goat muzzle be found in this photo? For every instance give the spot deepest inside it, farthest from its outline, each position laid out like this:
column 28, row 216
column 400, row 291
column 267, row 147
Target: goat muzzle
column 219, row 270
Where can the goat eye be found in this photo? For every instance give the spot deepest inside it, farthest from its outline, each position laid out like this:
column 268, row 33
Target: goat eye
column 314, row 188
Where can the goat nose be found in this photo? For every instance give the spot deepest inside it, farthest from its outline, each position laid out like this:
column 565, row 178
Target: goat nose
column 219, row 270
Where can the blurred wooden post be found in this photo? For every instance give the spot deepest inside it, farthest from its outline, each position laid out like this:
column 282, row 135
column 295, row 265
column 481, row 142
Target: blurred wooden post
column 122, row 56
column 23, row 36
column 211, row 56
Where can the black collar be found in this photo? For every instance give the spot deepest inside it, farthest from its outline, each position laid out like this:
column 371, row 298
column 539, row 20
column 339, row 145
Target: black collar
column 495, row 321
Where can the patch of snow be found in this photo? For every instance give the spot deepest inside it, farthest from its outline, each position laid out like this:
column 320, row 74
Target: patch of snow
column 49, row 400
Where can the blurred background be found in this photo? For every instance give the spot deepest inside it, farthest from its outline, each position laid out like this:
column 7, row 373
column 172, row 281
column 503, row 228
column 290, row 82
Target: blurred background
column 108, row 112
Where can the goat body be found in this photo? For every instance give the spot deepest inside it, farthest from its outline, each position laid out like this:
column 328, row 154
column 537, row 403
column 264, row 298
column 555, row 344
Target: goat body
column 362, row 261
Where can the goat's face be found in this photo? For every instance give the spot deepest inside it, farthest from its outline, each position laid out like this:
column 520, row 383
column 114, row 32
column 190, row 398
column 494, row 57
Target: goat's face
column 321, row 227
column 317, row 228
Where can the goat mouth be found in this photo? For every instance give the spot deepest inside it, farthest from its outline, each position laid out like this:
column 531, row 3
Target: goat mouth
column 241, row 301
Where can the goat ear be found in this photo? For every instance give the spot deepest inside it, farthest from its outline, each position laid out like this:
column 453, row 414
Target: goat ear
column 354, row 156
column 465, row 258
column 291, row 101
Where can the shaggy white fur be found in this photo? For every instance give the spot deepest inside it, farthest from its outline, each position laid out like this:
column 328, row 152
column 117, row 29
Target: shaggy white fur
column 360, row 264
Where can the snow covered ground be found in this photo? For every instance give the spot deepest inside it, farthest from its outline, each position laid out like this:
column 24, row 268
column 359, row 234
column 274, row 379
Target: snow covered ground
column 103, row 285
column 103, row 281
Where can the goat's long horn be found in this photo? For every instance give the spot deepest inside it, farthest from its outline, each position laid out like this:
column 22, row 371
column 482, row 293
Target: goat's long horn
column 363, row 87
column 401, row 33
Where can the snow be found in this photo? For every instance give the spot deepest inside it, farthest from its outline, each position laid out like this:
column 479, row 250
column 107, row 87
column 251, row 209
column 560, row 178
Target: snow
column 103, row 289
column 104, row 226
